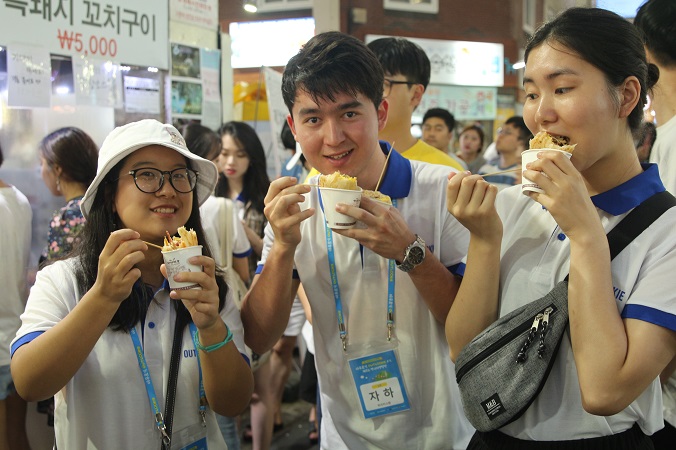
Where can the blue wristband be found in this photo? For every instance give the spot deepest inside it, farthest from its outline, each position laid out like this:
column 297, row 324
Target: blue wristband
column 211, row 348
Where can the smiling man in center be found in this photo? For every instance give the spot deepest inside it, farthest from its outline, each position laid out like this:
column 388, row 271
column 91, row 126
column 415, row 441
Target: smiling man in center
column 379, row 292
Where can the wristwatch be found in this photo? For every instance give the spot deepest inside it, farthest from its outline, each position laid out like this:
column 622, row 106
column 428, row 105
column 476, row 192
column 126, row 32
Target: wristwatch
column 413, row 255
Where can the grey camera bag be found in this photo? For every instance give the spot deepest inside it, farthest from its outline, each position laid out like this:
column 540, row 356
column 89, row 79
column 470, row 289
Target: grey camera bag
column 502, row 370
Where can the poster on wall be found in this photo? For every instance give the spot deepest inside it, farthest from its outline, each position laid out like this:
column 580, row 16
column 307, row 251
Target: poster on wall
column 95, row 82
column 465, row 103
column 141, row 95
column 211, row 92
column 129, row 31
column 186, row 99
column 199, row 13
column 28, row 76
column 185, row 61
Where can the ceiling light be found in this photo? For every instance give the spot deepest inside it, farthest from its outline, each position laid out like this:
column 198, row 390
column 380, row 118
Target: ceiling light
column 250, row 6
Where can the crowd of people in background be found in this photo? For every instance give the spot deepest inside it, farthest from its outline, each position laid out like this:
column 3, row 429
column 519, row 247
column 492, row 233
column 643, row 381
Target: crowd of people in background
column 102, row 330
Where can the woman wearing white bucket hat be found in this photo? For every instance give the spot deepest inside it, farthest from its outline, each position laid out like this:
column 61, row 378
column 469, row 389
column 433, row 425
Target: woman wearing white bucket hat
column 97, row 330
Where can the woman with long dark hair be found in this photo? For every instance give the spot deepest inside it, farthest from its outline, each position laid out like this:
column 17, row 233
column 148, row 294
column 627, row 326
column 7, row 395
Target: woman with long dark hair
column 244, row 179
column 97, row 330
column 587, row 79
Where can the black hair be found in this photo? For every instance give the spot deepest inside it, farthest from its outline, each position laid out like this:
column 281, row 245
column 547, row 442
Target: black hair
column 524, row 133
column 479, row 130
column 2, row 158
column 442, row 114
column 256, row 180
column 289, row 141
column 398, row 55
column 101, row 222
column 287, row 137
column 647, row 130
column 74, row 151
column 201, row 140
column 333, row 63
column 606, row 41
column 656, row 19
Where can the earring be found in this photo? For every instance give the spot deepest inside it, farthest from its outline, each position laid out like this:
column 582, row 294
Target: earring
column 58, row 184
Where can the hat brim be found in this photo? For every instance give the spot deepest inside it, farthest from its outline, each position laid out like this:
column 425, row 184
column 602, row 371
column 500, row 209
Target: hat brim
column 206, row 178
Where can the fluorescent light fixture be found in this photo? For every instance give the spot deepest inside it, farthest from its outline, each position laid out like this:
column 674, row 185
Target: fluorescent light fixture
column 62, row 90
column 518, row 65
column 250, row 6
column 152, row 69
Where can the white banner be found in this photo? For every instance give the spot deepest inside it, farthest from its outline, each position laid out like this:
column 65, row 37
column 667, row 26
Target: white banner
column 128, row 31
column 461, row 63
column 200, row 13
column 277, row 111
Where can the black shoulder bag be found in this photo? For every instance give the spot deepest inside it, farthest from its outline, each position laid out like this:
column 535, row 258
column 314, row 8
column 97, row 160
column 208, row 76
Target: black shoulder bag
column 174, row 364
column 498, row 373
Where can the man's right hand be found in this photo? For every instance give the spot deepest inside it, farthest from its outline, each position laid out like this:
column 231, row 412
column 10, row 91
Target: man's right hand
column 282, row 209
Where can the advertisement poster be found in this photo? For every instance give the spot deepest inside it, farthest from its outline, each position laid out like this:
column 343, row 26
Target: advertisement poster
column 185, row 61
column 186, row 99
column 28, row 76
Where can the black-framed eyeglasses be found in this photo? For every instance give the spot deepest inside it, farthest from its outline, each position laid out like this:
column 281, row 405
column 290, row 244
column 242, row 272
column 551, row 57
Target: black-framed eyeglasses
column 388, row 83
column 151, row 180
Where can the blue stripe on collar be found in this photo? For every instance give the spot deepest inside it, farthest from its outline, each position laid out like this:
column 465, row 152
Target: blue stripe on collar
column 399, row 174
column 242, row 198
column 631, row 193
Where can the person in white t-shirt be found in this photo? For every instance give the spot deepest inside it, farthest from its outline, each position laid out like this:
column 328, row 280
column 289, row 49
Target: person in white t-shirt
column 586, row 78
column 98, row 327
column 656, row 19
column 15, row 241
column 385, row 378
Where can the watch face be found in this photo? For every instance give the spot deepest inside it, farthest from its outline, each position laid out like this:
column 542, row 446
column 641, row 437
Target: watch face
column 416, row 255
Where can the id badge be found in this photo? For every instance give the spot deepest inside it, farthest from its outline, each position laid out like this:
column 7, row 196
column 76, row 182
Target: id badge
column 193, row 437
column 378, row 380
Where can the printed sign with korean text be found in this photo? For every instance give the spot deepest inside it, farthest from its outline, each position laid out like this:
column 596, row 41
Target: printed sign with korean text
column 128, row 31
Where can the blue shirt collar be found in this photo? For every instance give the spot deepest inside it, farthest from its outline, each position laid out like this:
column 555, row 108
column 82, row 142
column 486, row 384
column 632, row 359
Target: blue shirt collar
column 631, row 193
column 242, row 198
column 398, row 175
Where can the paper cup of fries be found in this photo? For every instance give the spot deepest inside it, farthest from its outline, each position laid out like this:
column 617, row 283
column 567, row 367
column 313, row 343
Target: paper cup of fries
column 529, row 156
column 331, row 197
column 176, row 253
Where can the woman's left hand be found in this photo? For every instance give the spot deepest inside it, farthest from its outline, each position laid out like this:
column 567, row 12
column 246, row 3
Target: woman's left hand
column 566, row 196
column 201, row 303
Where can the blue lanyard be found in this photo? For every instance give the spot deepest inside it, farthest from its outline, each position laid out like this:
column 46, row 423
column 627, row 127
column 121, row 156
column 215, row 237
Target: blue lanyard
column 150, row 389
column 336, row 289
column 202, row 393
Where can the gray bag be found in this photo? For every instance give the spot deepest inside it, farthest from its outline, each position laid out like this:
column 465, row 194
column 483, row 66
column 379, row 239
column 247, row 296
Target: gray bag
column 503, row 369
column 500, row 372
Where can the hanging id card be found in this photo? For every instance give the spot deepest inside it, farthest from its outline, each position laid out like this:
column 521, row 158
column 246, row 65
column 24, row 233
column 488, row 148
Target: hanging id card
column 379, row 383
column 193, row 437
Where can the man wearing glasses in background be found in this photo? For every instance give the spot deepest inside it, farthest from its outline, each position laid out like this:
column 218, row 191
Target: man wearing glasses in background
column 512, row 139
column 407, row 73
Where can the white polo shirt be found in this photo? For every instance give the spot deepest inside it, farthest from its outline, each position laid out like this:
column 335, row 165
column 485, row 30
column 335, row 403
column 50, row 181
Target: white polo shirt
column 536, row 255
column 663, row 153
column 436, row 419
column 211, row 222
column 15, row 241
column 105, row 404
